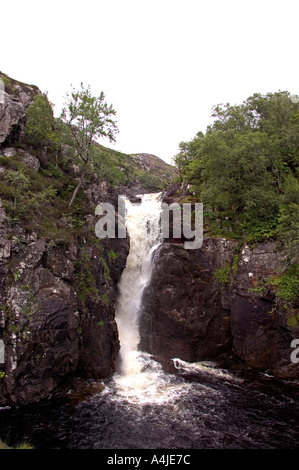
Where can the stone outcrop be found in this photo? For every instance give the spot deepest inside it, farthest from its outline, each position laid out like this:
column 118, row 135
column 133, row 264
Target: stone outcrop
column 13, row 105
column 202, row 305
column 260, row 328
column 181, row 316
column 152, row 163
column 29, row 160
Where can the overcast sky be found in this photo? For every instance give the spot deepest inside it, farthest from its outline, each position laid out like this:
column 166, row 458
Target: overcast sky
column 163, row 64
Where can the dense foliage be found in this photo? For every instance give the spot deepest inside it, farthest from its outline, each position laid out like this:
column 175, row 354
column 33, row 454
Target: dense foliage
column 245, row 169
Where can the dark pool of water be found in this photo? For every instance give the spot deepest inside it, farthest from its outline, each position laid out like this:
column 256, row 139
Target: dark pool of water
column 223, row 412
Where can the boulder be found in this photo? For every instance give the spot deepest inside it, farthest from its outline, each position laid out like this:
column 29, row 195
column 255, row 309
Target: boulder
column 181, row 316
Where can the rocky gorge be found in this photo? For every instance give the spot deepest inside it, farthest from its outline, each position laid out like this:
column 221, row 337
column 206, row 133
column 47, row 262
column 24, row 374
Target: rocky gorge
column 58, row 281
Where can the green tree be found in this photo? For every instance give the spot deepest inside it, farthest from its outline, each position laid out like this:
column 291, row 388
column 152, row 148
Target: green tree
column 87, row 118
column 20, row 184
column 40, row 122
column 42, row 130
column 240, row 169
column 289, row 218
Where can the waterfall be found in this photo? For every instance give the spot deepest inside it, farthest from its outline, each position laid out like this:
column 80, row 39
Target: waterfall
column 142, row 222
column 139, row 379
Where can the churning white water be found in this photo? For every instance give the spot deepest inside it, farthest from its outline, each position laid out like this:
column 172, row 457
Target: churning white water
column 142, row 222
column 138, row 375
column 139, row 378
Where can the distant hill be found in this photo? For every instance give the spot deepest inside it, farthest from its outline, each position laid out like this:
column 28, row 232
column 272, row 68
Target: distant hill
column 133, row 173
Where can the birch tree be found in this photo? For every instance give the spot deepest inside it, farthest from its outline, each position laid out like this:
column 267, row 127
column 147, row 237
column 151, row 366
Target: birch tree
column 88, row 118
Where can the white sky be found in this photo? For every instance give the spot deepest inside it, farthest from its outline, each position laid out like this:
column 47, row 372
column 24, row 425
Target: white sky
column 163, row 64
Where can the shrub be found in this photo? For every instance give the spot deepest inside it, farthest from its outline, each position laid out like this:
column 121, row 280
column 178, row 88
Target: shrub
column 222, row 274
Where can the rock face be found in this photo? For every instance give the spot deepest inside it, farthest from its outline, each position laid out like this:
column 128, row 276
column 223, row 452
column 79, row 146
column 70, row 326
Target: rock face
column 56, row 298
column 149, row 162
column 200, row 305
column 17, row 97
column 57, row 312
column 152, row 171
column 181, row 316
column 56, row 306
column 261, row 332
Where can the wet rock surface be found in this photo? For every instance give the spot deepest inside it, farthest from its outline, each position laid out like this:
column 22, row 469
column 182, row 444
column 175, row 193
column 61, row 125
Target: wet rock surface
column 182, row 316
column 189, row 314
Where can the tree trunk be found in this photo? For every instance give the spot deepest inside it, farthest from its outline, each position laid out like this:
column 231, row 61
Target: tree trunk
column 78, row 185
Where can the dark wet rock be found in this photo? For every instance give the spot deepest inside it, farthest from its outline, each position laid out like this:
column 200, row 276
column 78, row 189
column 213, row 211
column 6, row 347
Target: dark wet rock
column 135, row 199
column 181, row 315
column 175, row 192
column 79, row 390
column 57, row 311
column 189, row 314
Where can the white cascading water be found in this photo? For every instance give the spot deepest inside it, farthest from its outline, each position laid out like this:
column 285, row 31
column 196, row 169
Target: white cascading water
column 139, row 377
column 142, row 222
